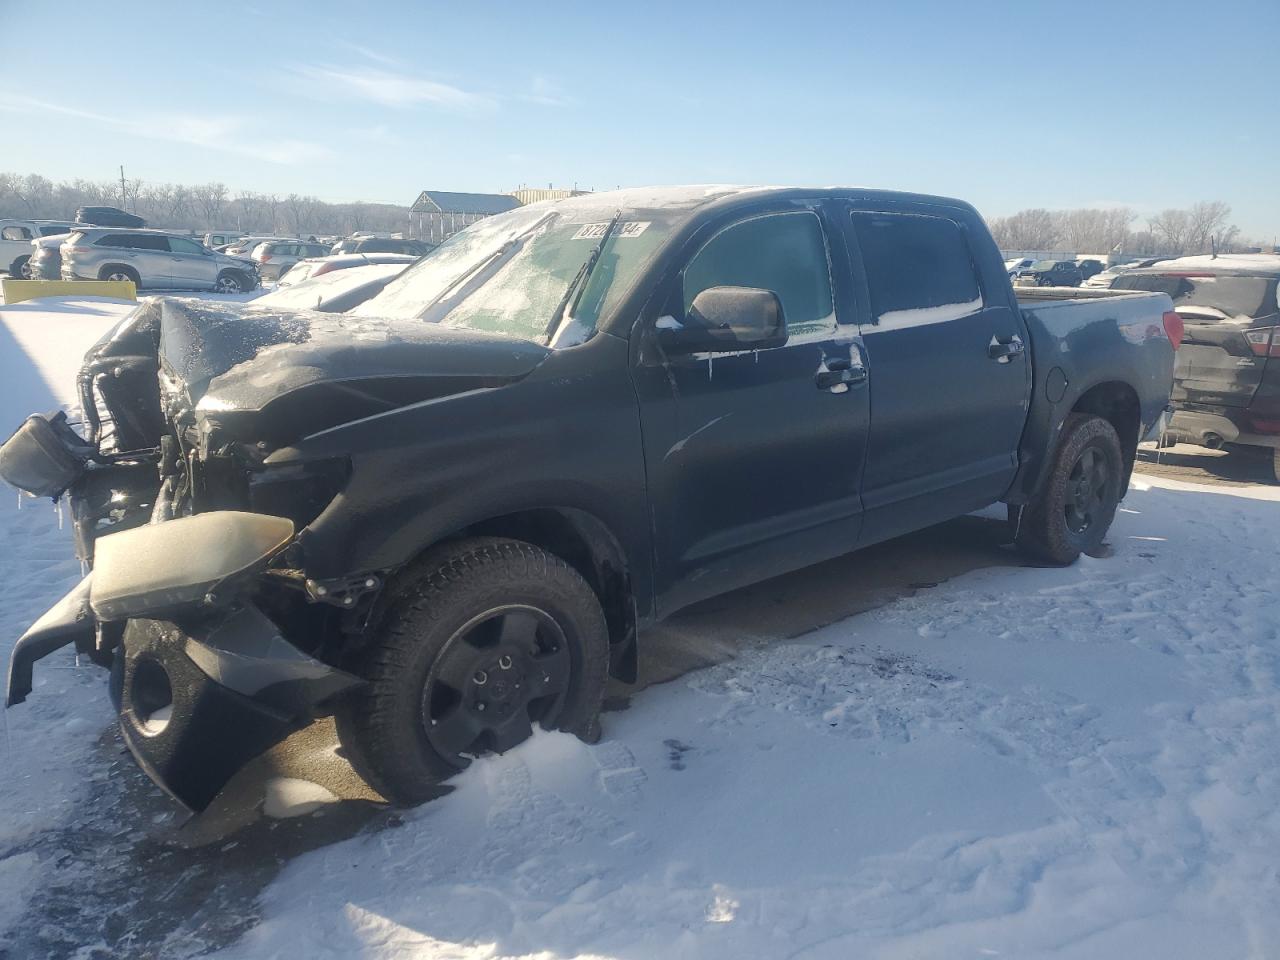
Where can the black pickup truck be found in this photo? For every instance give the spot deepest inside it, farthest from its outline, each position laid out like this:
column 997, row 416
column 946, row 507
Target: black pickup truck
column 448, row 514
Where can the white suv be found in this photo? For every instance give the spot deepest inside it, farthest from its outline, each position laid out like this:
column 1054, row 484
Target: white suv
column 16, row 237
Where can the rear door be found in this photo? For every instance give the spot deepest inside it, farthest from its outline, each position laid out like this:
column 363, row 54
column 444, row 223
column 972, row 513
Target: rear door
column 1228, row 332
column 949, row 372
column 753, row 458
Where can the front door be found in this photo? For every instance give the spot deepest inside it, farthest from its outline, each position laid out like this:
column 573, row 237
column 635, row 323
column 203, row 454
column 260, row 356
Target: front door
column 192, row 264
column 950, row 375
column 753, row 458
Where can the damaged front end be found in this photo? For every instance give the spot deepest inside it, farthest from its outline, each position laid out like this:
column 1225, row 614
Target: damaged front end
column 219, row 643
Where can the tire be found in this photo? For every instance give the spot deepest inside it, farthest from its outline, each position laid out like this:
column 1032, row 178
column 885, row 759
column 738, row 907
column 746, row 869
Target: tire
column 1073, row 510
column 21, row 268
column 454, row 658
column 121, row 273
column 1275, row 464
column 229, row 281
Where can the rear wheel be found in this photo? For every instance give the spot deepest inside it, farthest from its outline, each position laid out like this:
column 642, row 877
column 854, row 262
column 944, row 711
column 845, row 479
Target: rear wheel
column 1073, row 510
column 487, row 638
column 1275, row 463
column 21, row 268
column 121, row 273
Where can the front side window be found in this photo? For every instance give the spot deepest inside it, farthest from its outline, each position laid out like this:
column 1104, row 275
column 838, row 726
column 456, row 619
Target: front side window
column 782, row 252
column 16, row 233
column 179, row 245
column 919, row 269
column 52, row 231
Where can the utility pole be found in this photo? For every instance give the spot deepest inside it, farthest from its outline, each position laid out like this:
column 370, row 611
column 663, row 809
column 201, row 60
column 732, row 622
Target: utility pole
column 124, row 197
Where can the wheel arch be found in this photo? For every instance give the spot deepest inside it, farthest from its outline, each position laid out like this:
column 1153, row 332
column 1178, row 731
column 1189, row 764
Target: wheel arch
column 107, row 268
column 586, row 544
column 1116, row 402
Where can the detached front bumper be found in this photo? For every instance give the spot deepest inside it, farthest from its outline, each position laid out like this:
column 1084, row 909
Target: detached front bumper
column 197, row 705
column 209, row 681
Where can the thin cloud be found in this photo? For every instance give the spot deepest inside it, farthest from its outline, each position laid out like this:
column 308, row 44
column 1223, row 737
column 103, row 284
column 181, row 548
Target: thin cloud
column 374, row 55
column 545, row 93
column 224, row 133
column 389, row 89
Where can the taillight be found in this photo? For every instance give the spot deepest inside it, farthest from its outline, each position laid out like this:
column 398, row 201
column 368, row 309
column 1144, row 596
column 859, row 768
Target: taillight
column 1261, row 425
column 1173, row 328
column 1263, row 342
column 264, row 257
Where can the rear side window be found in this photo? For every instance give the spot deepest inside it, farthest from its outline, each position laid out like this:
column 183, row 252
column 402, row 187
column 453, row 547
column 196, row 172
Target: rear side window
column 782, row 252
column 1219, row 298
column 135, row 241
column 15, row 233
column 919, row 269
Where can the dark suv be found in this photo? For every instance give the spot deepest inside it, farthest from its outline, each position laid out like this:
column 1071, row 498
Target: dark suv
column 1052, row 273
column 1226, row 389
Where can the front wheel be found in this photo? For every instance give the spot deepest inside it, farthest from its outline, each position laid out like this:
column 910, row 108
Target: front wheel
column 1275, row 464
column 486, row 638
column 230, row 282
column 21, row 268
column 1073, row 510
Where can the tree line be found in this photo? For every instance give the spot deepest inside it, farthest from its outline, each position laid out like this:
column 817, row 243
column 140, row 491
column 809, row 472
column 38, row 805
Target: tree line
column 196, row 207
column 1201, row 228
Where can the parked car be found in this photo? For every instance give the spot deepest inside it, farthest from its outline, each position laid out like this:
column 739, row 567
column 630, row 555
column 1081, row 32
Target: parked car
column 221, row 238
column 46, row 256
column 274, row 257
column 108, row 217
column 16, row 237
column 1226, row 388
column 320, row 266
column 447, row 514
column 153, row 259
column 335, row 292
column 244, row 247
column 415, row 248
column 1051, row 273
column 1108, row 276
column 1018, row 264
column 1090, row 267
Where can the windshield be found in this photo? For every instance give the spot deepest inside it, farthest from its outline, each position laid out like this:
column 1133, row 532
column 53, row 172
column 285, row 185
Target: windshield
column 1235, row 298
column 508, row 273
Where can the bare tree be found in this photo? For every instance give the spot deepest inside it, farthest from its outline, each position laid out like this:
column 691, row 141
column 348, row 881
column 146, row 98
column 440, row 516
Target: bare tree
column 1172, row 229
column 209, row 199
column 1207, row 222
column 1026, row 230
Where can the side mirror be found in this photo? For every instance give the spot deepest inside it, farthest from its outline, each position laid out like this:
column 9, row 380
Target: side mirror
column 727, row 319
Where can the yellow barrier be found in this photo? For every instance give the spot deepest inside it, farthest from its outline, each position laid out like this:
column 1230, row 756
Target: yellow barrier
column 15, row 291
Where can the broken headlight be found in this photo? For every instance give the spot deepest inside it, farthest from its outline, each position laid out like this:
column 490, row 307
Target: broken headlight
column 299, row 491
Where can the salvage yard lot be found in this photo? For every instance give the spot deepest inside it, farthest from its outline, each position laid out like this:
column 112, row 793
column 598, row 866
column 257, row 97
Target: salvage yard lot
column 927, row 749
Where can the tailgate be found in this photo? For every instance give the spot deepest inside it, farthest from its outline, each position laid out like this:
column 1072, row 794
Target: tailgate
column 1228, row 320
column 1218, row 362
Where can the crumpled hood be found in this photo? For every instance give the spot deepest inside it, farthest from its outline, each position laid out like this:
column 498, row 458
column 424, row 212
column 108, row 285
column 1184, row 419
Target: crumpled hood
column 276, row 375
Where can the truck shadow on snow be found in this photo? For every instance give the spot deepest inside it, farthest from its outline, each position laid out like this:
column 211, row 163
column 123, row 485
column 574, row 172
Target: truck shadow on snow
column 127, row 877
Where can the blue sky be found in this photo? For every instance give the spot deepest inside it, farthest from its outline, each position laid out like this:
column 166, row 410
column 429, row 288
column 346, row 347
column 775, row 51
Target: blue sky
column 1007, row 105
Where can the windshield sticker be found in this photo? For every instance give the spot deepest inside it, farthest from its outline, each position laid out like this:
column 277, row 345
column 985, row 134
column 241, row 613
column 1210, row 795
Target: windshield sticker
column 594, row 231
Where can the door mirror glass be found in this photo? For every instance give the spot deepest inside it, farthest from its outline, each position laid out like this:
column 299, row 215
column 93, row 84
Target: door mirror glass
column 725, row 320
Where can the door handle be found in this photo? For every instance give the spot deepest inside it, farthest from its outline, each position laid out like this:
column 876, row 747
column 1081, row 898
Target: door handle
column 839, row 372
column 1001, row 351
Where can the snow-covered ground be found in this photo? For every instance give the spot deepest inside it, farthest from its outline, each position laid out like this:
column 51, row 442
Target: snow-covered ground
column 1020, row 762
